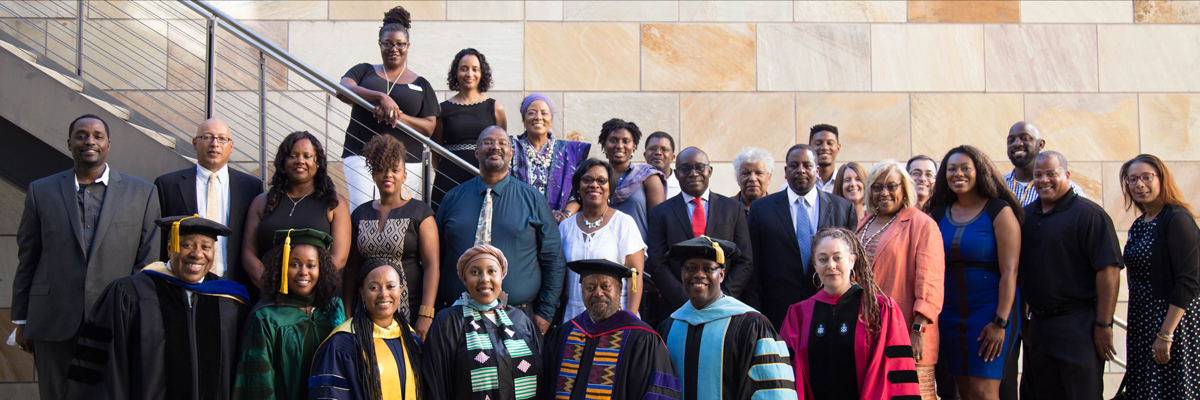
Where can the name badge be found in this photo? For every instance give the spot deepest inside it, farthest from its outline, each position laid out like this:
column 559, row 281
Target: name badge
column 415, row 87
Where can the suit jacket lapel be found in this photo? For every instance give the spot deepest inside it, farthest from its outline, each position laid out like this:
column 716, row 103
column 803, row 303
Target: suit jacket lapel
column 715, row 208
column 902, row 219
column 785, row 217
column 825, row 216
column 187, row 188
column 113, row 196
column 681, row 214
column 72, row 204
column 235, row 196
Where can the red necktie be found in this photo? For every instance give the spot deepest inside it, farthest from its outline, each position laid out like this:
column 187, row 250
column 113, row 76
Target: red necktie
column 698, row 222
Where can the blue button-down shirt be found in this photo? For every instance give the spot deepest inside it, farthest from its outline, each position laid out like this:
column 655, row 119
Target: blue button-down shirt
column 522, row 227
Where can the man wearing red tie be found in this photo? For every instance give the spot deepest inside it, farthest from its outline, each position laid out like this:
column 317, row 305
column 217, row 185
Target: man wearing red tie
column 694, row 212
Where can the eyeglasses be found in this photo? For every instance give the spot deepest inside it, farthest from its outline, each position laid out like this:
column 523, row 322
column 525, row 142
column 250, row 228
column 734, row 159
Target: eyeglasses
column 504, row 144
column 1145, row 178
column 891, row 187
column 220, row 140
column 588, row 181
column 916, row 174
column 390, row 45
column 687, row 169
column 706, row 270
column 658, row 149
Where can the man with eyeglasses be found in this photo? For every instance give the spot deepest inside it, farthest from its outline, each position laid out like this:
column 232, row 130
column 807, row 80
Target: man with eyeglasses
column 1069, row 275
column 781, row 229
column 660, row 154
column 215, row 192
column 721, row 347
column 497, row 209
column 695, row 212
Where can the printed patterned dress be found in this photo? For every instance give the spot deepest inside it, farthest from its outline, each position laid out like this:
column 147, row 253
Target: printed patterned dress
column 398, row 242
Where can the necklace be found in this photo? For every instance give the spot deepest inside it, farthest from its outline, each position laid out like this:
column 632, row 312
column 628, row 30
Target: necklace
column 392, row 82
column 594, row 225
column 297, row 202
column 884, row 228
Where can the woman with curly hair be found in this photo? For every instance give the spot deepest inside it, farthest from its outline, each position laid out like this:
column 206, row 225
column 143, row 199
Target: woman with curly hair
column 375, row 354
column 400, row 230
column 286, row 326
column 402, row 96
column 980, row 222
column 301, row 196
column 848, row 341
column 464, row 117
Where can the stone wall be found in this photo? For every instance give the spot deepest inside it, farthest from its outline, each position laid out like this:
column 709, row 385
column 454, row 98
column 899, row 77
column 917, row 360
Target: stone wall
column 1104, row 80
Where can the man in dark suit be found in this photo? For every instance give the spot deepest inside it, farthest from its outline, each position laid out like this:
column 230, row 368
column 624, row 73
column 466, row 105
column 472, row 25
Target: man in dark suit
column 695, row 211
column 188, row 192
column 81, row 229
column 781, row 229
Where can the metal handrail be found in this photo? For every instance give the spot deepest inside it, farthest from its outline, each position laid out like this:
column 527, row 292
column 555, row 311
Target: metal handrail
column 311, row 74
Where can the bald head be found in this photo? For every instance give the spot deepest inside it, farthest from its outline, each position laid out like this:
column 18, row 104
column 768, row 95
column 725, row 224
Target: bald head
column 1024, row 143
column 1025, row 127
column 693, row 170
column 213, row 144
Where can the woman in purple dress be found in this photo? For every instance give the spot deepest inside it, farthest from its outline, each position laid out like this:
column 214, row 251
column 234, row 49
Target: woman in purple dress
column 544, row 162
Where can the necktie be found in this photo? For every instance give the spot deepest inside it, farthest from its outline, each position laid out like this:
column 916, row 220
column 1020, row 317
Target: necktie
column 212, row 207
column 698, row 222
column 483, row 231
column 803, row 233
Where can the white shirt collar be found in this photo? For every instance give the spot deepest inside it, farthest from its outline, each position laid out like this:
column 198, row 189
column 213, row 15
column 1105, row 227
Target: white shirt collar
column 687, row 198
column 222, row 174
column 103, row 178
column 809, row 199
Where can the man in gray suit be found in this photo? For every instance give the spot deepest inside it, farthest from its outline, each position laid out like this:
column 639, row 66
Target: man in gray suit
column 80, row 230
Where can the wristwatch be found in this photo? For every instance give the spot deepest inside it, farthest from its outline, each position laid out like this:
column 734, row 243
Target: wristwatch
column 918, row 328
column 1000, row 322
column 1103, row 325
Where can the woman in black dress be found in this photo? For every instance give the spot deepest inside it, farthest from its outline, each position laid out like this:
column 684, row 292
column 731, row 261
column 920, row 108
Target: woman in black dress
column 1162, row 260
column 401, row 95
column 464, row 116
column 301, row 196
column 400, row 230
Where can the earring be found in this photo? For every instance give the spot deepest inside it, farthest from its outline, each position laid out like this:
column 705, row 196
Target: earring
column 817, row 281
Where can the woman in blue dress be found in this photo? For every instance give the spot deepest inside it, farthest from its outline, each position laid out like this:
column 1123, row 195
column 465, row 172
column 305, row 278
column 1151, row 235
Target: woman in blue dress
column 544, row 162
column 980, row 222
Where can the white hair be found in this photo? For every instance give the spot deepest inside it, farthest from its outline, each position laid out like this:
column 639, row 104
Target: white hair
column 752, row 155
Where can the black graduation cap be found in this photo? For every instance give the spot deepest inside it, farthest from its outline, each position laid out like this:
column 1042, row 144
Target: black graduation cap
column 705, row 247
column 190, row 225
column 289, row 237
column 588, row 267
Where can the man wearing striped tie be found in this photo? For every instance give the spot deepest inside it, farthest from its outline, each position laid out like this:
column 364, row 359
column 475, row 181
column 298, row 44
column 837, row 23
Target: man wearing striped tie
column 606, row 352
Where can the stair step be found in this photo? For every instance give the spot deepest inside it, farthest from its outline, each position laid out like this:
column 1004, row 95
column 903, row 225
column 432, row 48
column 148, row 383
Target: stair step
column 120, row 112
column 25, row 54
column 161, row 138
column 71, row 82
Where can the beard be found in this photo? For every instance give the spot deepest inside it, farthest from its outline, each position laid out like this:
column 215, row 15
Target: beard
column 602, row 309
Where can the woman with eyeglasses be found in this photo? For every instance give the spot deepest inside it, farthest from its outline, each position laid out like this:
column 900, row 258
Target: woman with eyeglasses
column 402, row 97
column 600, row 232
column 1162, row 261
column 544, row 162
column 980, row 223
column 904, row 248
column 639, row 187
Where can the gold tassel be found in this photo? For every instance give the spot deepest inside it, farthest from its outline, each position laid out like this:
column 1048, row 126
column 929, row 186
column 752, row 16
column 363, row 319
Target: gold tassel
column 287, row 259
column 720, row 253
column 173, row 240
column 634, row 279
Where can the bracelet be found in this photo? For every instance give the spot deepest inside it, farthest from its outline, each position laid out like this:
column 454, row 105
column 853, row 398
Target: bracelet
column 426, row 311
column 1166, row 338
column 1000, row 322
column 1103, row 325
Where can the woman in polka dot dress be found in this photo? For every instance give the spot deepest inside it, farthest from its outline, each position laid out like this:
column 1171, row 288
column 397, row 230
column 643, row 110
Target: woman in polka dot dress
column 1162, row 257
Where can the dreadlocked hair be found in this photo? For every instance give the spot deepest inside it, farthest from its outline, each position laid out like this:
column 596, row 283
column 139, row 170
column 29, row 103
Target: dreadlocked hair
column 363, row 328
column 989, row 183
column 395, row 20
column 323, row 188
column 329, row 282
column 860, row 274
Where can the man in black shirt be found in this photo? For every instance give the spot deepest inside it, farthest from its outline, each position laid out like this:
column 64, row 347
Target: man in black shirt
column 1069, row 274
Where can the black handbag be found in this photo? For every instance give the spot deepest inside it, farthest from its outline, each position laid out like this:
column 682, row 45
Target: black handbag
column 1121, row 389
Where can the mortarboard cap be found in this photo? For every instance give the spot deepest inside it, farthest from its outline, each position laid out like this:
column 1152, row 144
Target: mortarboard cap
column 287, row 237
column 588, row 267
column 716, row 250
column 183, row 225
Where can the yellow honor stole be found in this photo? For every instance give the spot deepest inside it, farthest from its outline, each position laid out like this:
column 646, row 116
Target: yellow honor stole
column 389, row 368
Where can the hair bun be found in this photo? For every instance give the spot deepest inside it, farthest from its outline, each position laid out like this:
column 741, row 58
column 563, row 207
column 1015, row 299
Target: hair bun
column 398, row 15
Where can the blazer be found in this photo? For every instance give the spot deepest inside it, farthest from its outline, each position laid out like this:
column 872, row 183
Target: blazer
column 57, row 279
column 778, row 268
column 669, row 223
column 177, row 196
column 910, row 266
column 1175, row 258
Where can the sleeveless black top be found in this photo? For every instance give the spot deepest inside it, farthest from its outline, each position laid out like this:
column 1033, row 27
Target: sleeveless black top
column 461, row 124
column 309, row 213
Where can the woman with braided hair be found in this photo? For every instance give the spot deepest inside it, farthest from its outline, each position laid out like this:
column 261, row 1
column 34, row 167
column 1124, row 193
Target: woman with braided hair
column 850, row 337
column 375, row 354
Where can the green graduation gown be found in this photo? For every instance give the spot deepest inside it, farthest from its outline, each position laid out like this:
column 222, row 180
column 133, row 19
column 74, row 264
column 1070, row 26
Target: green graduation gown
column 277, row 353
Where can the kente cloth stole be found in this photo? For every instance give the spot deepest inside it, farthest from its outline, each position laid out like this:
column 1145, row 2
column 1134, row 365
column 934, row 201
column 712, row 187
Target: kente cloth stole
column 485, row 379
column 604, row 365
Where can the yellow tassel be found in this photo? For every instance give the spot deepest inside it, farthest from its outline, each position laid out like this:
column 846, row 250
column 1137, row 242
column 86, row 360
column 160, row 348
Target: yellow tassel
column 634, row 279
column 720, row 253
column 173, row 240
column 287, row 259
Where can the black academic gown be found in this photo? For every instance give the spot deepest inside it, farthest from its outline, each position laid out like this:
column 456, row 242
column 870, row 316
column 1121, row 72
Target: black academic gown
column 143, row 341
column 447, row 359
column 643, row 367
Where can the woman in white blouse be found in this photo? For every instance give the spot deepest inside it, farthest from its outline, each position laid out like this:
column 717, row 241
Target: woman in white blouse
column 598, row 231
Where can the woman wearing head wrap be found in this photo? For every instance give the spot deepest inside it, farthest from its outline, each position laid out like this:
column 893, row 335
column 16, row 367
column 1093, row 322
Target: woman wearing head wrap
column 374, row 355
column 294, row 316
column 481, row 348
column 542, row 161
